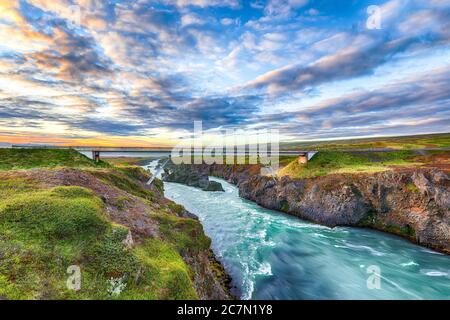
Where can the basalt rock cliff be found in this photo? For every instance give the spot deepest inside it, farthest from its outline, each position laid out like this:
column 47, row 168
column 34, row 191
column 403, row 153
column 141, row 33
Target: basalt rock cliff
column 412, row 203
column 186, row 174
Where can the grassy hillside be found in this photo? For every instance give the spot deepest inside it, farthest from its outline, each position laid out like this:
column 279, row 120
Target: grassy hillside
column 44, row 229
column 329, row 162
column 127, row 161
column 13, row 159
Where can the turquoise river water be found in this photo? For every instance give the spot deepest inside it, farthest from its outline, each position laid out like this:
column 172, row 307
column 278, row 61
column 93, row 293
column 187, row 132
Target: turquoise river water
column 271, row 255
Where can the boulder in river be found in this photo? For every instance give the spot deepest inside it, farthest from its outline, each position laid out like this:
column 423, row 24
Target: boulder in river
column 185, row 174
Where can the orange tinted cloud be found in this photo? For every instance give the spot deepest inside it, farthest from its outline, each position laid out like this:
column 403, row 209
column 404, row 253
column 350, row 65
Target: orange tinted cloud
column 104, row 141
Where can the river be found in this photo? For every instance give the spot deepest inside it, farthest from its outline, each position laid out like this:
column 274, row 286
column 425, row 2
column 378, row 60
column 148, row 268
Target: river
column 271, row 255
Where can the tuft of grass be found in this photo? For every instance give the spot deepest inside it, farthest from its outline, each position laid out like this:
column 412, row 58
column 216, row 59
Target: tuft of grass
column 174, row 207
column 51, row 215
column 128, row 161
column 122, row 181
column 16, row 159
column 329, row 162
column 13, row 186
column 411, row 187
column 185, row 234
column 165, row 277
column 134, row 172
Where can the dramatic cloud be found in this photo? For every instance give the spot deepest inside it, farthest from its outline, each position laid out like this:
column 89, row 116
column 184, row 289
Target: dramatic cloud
column 366, row 51
column 420, row 102
column 142, row 71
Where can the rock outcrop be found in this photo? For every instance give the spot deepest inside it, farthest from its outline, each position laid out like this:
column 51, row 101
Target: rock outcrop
column 187, row 175
column 413, row 203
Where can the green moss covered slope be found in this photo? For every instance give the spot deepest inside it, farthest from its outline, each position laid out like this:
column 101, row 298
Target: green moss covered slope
column 125, row 238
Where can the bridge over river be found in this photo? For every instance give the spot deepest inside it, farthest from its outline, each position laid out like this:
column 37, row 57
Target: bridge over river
column 97, row 153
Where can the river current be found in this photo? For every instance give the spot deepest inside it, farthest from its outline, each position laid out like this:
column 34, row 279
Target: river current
column 270, row 255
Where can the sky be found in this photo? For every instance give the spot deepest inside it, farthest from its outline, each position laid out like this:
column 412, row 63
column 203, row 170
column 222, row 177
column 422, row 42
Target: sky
column 140, row 72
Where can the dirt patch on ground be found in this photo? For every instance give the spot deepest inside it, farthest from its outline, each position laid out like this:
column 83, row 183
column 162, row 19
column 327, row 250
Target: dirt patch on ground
column 441, row 161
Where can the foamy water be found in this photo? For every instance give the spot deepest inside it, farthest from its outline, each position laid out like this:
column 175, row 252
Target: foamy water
column 271, row 255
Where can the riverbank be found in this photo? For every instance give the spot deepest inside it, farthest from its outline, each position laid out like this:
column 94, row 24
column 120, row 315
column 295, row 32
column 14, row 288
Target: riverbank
column 60, row 209
column 273, row 255
column 412, row 202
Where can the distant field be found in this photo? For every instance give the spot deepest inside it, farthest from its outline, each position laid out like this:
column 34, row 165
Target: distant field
column 396, row 143
column 125, row 161
column 15, row 159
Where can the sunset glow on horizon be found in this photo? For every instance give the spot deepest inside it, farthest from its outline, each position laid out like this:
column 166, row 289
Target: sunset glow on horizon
column 138, row 73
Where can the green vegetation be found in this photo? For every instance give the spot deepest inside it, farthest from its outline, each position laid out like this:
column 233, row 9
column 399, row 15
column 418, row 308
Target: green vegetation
column 329, row 162
column 406, row 231
column 15, row 159
column 186, row 234
column 177, row 208
column 167, row 275
column 284, row 206
column 127, row 161
column 135, row 173
column 285, row 160
column 45, row 230
column 123, row 182
column 42, row 232
column 139, row 174
column 412, row 188
column 371, row 221
column 397, row 143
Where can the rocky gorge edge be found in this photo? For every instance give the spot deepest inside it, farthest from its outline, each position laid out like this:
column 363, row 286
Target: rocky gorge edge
column 413, row 203
column 185, row 174
column 126, row 201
